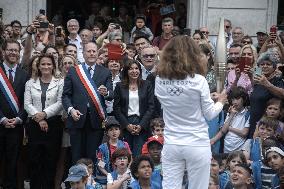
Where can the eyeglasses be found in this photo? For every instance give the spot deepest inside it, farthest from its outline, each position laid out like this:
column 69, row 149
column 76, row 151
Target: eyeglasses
column 12, row 50
column 246, row 42
column 118, row 39
column 227, row 27
column 204, row 32
column 148, row 56
column 232, row 68
column 265, row 63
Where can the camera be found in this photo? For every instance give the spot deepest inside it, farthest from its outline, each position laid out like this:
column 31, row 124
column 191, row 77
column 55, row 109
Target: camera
column 43, row 24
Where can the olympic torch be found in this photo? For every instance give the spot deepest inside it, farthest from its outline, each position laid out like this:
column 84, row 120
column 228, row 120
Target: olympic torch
column 221, row 57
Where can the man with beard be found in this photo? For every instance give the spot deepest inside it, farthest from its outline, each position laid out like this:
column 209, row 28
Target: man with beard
column 12, row 114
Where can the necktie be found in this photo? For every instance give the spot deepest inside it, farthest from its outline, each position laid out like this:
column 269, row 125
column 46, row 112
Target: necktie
column 90, row 71
column 11, row 78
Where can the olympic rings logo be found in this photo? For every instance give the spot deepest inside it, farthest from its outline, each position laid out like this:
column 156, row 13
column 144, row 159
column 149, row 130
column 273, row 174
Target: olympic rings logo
column 175, row 91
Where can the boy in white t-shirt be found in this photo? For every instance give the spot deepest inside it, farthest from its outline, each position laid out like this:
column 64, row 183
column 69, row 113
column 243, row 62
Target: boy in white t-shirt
column 236, row 126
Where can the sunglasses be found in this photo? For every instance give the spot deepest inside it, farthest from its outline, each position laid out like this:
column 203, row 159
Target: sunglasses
column 227, row 27
column 204, row 32
column 246, row 42
column 148, row 56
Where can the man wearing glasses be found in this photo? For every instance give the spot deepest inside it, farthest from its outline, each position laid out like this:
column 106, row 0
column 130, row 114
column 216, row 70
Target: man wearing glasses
column 73, row 28
column 16, row 28
column 228, row 34
column 149, row 60
column 238, row 34
column 12, row 114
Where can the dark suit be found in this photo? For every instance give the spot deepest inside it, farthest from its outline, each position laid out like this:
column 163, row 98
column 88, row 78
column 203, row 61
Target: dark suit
column 11, row 138
column 146, row 110
column 87, row 133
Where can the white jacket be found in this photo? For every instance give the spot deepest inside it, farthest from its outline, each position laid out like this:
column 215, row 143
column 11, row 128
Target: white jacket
column 53, row 103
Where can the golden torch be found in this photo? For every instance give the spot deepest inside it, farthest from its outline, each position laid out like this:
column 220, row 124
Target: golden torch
column 221, row 57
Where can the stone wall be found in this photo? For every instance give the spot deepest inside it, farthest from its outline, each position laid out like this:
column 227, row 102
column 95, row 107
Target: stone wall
column 252, row 15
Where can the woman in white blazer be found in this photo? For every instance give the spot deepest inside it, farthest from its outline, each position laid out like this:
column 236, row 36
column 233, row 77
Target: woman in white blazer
column 42, row 101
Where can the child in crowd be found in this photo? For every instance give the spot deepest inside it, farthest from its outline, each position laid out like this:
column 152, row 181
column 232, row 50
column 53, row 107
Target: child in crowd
column 266, row 128
column 262, row 173
column 142, row 169
column 130, row 50
column 157, row 126
column 90, row 168
column 120, row 178
column 223, row 177
column 140, row 20
column 241, row 177
column 106, row 150
column 273, row 110
column 275, row 159
column 213, row 182
column 233, row 159
column 78, row 178
column 236, row 126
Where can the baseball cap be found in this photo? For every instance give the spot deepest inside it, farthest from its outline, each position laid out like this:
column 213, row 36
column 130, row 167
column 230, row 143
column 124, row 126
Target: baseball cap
column 76, row 173
column 261, row 32
column 111, row 122
column 155, row 138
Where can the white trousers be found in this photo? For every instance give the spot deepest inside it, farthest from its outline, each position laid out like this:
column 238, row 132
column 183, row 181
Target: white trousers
column 175, row 158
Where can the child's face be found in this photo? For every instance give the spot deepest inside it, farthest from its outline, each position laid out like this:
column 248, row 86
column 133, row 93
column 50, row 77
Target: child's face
column 212, row 185
column 273, row 111
column 234, row 162
column 240, row 177
column 78, row 185
column 275, row 161
column 155, row 150
column 144, row 170
column 140, row 23
column 158, row 130
column 215, row 168
column 121, row 162
column 90, row 169
column 265, row 131
column 113, row 133
column 238, row 103
column 131, row 53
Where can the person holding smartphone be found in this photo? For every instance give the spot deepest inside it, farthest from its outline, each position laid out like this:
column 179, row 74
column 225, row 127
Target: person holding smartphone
column 242, row 75
column 266, row 86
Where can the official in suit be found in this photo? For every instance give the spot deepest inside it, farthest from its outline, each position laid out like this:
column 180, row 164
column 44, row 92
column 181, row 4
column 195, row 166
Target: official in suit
column 85, row 120
column 11, row 118
column 134, row 106
column 44, row 107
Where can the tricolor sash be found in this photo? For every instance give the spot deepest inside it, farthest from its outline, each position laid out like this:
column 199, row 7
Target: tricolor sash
column 8, row 91
column 91, row 89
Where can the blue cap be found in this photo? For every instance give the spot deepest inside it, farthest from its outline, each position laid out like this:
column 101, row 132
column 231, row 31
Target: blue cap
column 76, row 173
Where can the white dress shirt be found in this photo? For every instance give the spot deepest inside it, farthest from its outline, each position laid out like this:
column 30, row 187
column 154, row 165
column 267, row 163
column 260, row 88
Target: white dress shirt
column 78, row 42
column 7, row 68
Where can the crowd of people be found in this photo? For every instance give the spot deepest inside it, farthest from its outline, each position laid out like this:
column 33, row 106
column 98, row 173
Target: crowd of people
column 90, row 108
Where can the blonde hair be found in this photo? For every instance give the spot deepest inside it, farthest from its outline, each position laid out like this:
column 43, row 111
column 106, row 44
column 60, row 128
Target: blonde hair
column 254, row 52
column 181, row 57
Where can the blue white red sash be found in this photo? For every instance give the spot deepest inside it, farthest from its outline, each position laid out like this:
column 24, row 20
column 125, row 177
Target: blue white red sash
column 91, row 89
column 8, row 91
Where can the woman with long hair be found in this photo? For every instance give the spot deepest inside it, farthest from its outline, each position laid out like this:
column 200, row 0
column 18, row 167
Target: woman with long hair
column 42, row 101
column 185, row 97
column 133, row 106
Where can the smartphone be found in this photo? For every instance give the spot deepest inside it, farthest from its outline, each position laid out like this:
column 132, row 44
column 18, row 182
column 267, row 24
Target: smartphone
column 42, row 11
column 273, row 33
column 242, row 62
column 43, row 24
column 257, row 71
column 1, row 13
column 58, row 32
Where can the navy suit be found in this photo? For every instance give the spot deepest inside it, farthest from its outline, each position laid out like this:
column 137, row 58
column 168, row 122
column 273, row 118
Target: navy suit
column 11, row 138
column 86, row 134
